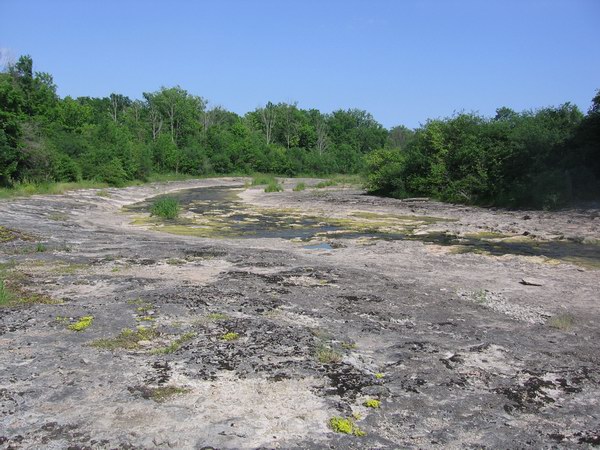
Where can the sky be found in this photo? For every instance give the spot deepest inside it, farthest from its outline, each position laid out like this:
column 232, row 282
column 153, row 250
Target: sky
column 404, row 61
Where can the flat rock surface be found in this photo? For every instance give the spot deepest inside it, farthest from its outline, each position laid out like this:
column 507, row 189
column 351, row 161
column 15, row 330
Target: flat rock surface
column 254, row 342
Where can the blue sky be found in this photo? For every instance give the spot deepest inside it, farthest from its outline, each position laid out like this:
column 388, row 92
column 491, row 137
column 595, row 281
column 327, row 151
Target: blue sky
column 403, row 61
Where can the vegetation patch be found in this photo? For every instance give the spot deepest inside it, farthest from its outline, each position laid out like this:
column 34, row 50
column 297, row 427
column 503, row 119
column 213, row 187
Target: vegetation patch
column 175, row 345
column 166, row 208
column 372, row 403
column 231, row 336
column 345, row 426
column 11, row 295
column 7, row 235
column 127, row 339
column 262, row 179
column 328, row 355
column 82, row 324
column 273, row 187
column 562, row 322
column 217, row 316
column 326, row 183
column 379, row 375
column 299, row 187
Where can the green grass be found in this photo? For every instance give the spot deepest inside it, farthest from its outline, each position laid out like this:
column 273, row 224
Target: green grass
column 326, row 183
column 26, row 189
column 127, row 339
column 166, row 207
column 175, row 345
column 217, row 316
column 327, row 355
column 5, row 294
column 299, row 187
column 273, row 187
column 262, row 178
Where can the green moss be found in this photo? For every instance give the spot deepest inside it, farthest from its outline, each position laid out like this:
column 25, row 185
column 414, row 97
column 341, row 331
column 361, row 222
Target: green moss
column 175, row 262
column 175, row 345
column 231, row 336
column 348, row 345
column 12, row 296
column 345, row 426
column 379, row 375
column 127, row 339
column 82, row 324
column 146, row 319
column 7, row 235
column 69, row 268
column 372, row 403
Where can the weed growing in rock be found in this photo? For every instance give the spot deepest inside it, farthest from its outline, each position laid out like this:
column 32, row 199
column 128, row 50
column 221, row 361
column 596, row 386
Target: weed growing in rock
column 231, row 336
column 5, row 294
column 82, row 324
column 562, row 322
column 260, row 179
column 379, row 375
column 217, row 316
column 324, row 184
column 327, row 355
column 40, row 247
column 372, row 403
column 127, row 339
column 166, row 208
column 175, row 345
column 345, row 426
column 299, row 187
column 273, row 187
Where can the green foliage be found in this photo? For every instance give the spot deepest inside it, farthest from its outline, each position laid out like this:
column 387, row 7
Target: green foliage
column 563, row 322
column 165, row 207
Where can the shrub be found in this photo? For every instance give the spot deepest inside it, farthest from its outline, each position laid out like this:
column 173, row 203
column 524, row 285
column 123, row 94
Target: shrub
column 166, row 207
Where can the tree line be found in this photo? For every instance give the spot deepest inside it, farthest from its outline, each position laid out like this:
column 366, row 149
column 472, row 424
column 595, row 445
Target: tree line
column 541, row 158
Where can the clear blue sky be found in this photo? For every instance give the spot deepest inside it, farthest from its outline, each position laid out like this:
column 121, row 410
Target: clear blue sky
column 403, row 61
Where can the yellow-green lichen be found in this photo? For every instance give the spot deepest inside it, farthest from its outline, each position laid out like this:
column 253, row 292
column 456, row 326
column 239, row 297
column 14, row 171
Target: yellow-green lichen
column 379, row 375
column 82, row 324
column 345, row 426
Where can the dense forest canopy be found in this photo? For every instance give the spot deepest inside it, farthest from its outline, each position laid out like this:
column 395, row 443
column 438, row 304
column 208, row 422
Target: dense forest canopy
column 542, row 158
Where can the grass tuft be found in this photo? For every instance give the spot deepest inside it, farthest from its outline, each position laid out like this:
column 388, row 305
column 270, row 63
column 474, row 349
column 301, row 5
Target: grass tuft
column 327, row 355
column 166, row 207
column 273, row 187
column 299, row 187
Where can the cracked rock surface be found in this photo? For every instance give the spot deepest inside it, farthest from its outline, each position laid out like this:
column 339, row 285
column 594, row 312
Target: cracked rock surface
column 257, row 342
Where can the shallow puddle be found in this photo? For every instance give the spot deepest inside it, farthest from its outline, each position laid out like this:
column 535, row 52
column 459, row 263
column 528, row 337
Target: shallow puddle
column 219, row 213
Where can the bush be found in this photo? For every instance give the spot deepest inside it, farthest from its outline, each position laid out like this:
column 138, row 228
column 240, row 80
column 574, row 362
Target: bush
column 299, row 187
column 261, row 179
column 166, row 207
